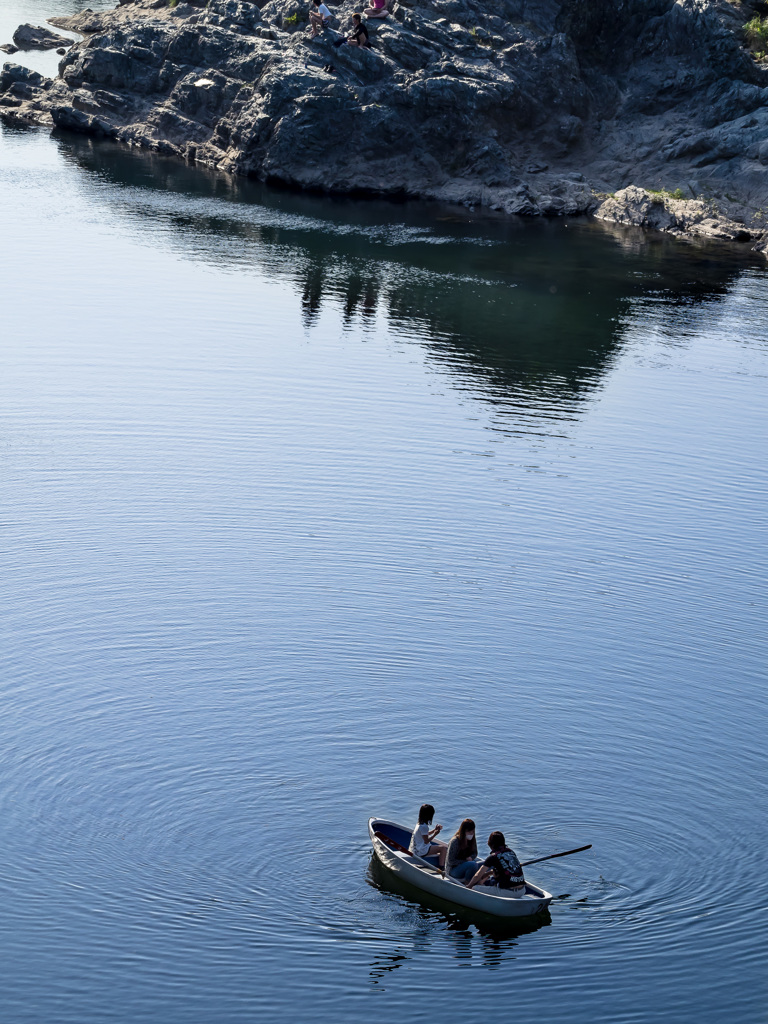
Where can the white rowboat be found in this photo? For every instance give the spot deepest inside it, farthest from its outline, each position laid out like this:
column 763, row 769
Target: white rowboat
column 390, row 844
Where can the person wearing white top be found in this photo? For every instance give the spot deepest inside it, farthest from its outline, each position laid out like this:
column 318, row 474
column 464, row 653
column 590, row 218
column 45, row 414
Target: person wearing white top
column 318, row 16
column 421, row 844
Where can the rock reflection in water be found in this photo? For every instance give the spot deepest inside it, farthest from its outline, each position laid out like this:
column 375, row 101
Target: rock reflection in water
column 512, row 314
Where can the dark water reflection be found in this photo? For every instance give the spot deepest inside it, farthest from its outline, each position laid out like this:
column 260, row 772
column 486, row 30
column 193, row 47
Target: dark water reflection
column 528, row 314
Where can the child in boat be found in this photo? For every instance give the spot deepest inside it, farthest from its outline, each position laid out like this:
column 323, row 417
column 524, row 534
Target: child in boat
column 461, row 859
column 502, row 868
column 421, row 844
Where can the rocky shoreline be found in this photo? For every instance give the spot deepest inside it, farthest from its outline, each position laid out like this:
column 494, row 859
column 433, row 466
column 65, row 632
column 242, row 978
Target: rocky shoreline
column 645, row 112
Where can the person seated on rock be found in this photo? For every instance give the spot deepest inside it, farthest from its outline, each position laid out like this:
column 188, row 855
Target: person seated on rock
column 378, row 9
column 359, row 35
column 319, row 16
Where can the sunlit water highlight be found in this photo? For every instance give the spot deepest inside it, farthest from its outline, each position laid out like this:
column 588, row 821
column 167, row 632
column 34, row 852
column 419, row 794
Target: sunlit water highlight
column 313, row 510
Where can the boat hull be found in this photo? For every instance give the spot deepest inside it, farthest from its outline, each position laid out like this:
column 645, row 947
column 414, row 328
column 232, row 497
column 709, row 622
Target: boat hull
column 423, row 875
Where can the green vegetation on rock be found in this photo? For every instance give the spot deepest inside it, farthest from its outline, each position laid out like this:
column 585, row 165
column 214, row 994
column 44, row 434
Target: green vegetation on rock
column 756, row 35
column 664, row 193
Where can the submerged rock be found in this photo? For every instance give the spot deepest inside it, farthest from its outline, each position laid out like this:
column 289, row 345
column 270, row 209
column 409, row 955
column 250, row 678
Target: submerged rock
column 527, row 106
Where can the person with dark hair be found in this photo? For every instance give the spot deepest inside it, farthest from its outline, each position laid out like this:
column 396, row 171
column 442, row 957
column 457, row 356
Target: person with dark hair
column 501, row 868
column 319, row 16
column 421, row 844
column 359, row 35
column 461, row 859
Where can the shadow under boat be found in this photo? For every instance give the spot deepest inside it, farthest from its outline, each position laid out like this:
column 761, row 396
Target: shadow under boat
column 453, row 917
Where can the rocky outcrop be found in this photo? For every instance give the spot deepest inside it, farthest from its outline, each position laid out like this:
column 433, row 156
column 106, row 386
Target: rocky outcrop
column 33, row 37
column 528, row 106
column 670, row 212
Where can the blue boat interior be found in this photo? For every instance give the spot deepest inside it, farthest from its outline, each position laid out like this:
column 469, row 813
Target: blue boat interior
column 400, row 835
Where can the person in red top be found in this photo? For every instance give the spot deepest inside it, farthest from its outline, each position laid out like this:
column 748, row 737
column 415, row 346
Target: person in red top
column 501, row 868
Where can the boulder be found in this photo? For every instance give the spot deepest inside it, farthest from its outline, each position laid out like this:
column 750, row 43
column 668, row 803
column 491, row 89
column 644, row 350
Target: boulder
column 663, row 211
column 14, row 74
column 34, row 37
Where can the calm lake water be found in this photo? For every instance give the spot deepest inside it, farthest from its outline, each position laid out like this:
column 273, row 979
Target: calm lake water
column 313, row 510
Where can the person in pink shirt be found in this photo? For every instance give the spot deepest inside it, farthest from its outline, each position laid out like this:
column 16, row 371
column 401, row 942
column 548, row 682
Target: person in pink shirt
column 378, row 9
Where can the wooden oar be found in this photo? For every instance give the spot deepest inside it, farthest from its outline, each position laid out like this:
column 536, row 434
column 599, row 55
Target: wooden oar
column 552, row 856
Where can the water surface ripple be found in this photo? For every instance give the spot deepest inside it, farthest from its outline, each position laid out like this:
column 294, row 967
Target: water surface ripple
column 313, row 510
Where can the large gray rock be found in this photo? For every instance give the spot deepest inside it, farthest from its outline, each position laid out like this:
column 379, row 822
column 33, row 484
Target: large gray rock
column 663, row 211
column 529, row 106
column 33, row 37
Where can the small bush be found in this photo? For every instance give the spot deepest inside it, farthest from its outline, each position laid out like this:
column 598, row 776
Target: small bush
column 172, row 3
column 660, row 194
column 299, row 17
column 756, row 33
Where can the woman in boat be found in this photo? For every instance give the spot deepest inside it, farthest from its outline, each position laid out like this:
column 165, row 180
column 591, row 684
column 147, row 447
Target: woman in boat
column 502, row 868
column 461, row 859
column 421, row 844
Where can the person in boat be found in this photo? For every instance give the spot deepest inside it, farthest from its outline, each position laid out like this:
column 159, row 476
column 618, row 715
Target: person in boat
column 501, row 868
column 421, row 844
column 461, row 859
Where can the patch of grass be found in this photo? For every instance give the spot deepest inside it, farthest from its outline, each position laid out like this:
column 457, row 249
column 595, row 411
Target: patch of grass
column 756, row 34
column 664, row 193
column 172, row 3
column 299, row 17
column 480, row 36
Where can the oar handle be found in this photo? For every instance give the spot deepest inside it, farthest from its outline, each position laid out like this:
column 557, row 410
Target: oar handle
column 552, row 856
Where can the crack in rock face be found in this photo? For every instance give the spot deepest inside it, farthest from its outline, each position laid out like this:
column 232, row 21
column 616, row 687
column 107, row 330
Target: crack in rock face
column 650, row 112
